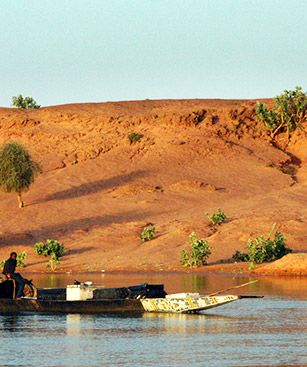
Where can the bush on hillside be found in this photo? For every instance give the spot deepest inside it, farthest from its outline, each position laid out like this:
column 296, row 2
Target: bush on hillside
column 17, row 169
column 197, row 256
column 51, row 248
column 264, row 249
column 148, row 234
column 27, row 103
column 135, row 137
column 288, row 113
column 217, row 218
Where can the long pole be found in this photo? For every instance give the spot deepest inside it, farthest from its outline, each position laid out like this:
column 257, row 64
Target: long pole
column 237, row 286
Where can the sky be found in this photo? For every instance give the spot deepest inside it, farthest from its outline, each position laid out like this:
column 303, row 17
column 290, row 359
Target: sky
column 71, row 51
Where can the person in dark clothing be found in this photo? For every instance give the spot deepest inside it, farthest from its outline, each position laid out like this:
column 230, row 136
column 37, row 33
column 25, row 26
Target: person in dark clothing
column 9, row 272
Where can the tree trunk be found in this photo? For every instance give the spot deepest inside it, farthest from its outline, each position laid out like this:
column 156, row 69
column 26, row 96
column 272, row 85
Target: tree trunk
column 20, row 201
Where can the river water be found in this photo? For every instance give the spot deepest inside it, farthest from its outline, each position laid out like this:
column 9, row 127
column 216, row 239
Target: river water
column 270, row 331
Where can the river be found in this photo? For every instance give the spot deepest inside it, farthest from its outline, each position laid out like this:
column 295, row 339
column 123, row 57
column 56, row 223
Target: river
column 269, row 331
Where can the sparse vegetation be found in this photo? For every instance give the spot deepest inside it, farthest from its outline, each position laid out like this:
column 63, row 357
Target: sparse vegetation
column 197, row 256
column 21, row 257
column 53, row 249
column 264, row 249
column 148, row 234
column 240, row 256
column 135, row 137
column 17, row 169
column 217, row 218
column 288, row 113
column 27, row 103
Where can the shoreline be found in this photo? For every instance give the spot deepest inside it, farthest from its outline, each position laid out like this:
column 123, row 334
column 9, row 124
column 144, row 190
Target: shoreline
column 222, row 272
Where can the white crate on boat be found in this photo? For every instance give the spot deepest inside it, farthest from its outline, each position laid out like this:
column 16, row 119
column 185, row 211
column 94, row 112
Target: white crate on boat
column 182, row 295
column 79, row 292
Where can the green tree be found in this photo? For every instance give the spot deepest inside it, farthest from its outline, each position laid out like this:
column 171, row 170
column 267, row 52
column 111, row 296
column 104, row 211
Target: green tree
column 27, row 103
column 51, row 248
column 17, row 169
column 289, row 112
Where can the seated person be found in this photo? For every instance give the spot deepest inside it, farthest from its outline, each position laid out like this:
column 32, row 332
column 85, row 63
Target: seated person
column 9, row 272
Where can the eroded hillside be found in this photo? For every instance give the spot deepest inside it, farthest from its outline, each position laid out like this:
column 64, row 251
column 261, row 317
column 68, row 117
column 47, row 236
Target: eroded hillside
column 98, row 191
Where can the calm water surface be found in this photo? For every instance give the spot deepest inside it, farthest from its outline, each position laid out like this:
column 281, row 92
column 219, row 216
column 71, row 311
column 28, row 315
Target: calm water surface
column 252, row 332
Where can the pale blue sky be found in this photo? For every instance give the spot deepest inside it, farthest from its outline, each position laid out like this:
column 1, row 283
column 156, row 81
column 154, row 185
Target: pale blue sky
column 63, row 51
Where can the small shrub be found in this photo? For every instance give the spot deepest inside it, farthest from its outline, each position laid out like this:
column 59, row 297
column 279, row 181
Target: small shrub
column 2, row 264
column 134, row 137
column 27, row 103
column 217, row 218
column 263, row 249
column 288, row 113
column 148, row 234
column 240, row 256
column 21, row 257
column 197, row 256
column 52, row 248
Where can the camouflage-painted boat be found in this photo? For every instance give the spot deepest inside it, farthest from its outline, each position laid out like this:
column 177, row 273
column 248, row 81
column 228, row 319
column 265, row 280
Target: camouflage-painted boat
column 186, row 303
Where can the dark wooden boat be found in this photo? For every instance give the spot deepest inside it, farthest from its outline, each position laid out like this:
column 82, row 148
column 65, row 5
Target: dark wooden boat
column 54, row 300
column 25, row 305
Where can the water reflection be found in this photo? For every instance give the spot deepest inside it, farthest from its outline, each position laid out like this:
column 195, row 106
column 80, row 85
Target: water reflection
column 9, row 323
column 267, row 331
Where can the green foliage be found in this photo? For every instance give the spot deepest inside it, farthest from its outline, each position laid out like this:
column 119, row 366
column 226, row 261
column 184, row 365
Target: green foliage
column 264, row 249
column 27, row 103
column 20, row 260
column 197, row 256
column 240, row 256
column 52, row 248
column 288, row 113
column 217, row 218
column 134, row 137
column 17, row 169
column 148, row 234
column 21, row 257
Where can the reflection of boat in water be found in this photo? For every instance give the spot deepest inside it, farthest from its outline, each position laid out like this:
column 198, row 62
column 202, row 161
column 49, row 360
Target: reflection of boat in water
column 91, row 299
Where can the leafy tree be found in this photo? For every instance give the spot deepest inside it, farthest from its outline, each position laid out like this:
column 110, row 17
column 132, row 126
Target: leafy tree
column 52, row 248
column 27, row 103
column 17, row 169
column 197, row 256
column 288, row 113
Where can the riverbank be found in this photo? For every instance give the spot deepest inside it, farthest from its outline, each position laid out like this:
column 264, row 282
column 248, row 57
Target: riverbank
column 292, row 265
column 98, row 191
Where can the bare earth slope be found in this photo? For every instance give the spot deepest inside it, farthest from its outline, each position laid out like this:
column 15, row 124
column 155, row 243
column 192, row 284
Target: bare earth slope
column 98, row 191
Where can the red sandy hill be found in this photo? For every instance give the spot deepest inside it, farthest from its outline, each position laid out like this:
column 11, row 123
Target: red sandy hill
column 98, row 191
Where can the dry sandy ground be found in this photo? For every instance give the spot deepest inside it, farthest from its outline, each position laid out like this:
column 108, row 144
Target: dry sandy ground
column 98, row 191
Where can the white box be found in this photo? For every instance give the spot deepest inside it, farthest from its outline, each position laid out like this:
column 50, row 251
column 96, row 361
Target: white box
column 79, row 292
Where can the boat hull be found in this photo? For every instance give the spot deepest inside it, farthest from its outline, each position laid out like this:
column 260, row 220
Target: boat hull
column 187, row 304
column 9, row 306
